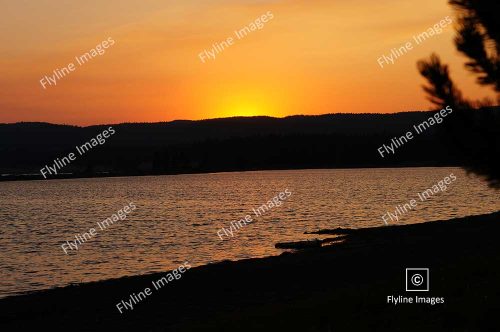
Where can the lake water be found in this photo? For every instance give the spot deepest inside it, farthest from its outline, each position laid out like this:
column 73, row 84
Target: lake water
column 177, row 217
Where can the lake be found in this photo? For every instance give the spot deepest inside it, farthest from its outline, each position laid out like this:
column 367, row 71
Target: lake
column 177, row 217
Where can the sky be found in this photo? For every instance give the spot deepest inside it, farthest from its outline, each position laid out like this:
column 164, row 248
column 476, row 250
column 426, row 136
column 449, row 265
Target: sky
column 312, row 57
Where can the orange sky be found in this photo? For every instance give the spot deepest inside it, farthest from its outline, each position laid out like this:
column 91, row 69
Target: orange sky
column 313, row 57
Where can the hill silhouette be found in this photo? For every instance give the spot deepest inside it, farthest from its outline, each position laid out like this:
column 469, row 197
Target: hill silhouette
column 228, row 144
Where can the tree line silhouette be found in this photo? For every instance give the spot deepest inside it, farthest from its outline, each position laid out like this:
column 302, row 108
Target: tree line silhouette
column 231, row 144
column 475, row 134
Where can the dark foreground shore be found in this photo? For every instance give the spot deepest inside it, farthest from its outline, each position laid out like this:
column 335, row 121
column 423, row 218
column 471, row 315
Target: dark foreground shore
column 342, row 287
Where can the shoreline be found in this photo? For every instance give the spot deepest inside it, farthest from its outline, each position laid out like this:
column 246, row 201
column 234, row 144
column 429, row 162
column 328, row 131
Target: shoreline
column 39, row 177
column 351, row 278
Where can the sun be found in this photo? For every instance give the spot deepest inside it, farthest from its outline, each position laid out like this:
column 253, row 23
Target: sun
column 243, row 104
column 245, row 109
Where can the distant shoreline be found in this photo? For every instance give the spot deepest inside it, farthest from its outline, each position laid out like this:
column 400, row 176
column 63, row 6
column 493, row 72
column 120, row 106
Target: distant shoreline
column 335, row 141
column 38, row 177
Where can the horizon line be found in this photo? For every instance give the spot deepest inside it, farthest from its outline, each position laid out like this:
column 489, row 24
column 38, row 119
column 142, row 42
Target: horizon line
column 212, row 119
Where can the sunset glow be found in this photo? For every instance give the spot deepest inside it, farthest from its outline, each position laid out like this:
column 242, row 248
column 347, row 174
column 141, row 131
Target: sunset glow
column 310, row 58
